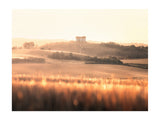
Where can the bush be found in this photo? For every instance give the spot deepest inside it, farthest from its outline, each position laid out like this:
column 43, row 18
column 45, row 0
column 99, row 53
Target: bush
column 28, row 45
column 87, row 59
column 28, row 60
column 110, row 60
column 64, row 56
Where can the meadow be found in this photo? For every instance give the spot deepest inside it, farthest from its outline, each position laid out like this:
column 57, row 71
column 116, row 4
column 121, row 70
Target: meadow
column 77, row 93
column 50, row 80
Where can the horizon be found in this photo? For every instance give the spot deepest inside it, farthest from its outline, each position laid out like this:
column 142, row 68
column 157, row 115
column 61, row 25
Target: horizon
column 103, row 25
column 40, row 42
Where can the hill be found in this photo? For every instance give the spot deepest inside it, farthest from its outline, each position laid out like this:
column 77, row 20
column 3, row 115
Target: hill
column 100, row 49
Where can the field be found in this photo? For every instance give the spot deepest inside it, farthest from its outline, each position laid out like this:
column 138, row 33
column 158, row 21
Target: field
column 78, row 93
column 141, row 63
column 69, row 85
column 79, row 60
column 138, row 61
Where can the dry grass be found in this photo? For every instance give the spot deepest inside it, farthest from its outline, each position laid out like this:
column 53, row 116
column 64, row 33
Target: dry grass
column 70, row 93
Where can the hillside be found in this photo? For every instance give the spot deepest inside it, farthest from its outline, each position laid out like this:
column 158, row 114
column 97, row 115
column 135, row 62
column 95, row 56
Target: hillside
column 100, row 49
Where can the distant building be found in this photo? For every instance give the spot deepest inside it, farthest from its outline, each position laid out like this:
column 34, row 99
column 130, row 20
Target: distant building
column 81, row 38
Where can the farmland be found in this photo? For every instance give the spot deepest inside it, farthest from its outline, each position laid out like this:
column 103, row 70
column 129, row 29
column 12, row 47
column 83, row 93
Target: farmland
column 42, row 83
column 63, row 93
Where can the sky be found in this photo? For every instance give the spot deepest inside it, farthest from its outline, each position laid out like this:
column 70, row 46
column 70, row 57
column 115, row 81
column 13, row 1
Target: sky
column 104, row 25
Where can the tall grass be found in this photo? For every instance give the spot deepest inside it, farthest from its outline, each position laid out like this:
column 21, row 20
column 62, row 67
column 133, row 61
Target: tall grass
column 68, row 93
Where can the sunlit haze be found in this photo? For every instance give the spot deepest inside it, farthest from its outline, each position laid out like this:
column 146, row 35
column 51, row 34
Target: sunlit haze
column 122, row 26
column 80, row 60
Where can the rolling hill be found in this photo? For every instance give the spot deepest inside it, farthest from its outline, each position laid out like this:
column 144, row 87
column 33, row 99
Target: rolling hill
column 100, row 49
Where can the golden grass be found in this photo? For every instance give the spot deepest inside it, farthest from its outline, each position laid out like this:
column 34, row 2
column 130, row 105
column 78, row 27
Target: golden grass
column 69, row 93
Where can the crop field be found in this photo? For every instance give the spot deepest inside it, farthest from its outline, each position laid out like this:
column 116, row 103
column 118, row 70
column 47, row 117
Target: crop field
column 77, row 93
column 141, row 63
column 138, row 61
column 40, row 83
column 79, row 60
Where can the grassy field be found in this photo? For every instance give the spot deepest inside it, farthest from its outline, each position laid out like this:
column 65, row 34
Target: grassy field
column 67, row 93
column 138, row 61
column 69, row 85
column 79, row 68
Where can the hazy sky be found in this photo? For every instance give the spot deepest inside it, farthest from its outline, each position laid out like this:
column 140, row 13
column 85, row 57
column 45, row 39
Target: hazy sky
column 123, row 26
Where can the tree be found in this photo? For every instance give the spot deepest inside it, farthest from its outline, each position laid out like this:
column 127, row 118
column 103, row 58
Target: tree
column 28, row 45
